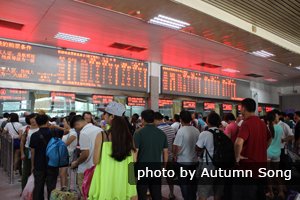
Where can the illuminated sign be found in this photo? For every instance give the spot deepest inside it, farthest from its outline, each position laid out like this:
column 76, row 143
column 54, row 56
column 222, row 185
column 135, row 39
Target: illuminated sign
column 193, row 83
column 68, row 96
column 102, row 99
column 227, row 107
column 13, row 94
column 165, row 103
column 209, row 106
column 29, row 63
column 259, row 109
column 268, row 109
column 189, row 104
column 136, row 101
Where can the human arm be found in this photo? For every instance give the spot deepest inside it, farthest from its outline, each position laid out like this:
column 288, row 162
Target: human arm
column 22, row 146
column 70, row 140
column 84, row 154
column 97, row 149
column 238, row 146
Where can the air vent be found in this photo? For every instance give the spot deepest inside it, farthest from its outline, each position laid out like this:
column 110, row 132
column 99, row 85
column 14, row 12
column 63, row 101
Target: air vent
column 119, row 45
column 127, row 47
column 11, row 25
column 136, row 49
column 208, row 65
column 254, row 75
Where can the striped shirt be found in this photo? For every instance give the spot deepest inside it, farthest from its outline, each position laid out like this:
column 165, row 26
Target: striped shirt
column 170, row 133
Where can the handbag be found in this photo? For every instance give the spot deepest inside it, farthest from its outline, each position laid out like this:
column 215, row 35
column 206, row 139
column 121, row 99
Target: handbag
column 88, row 175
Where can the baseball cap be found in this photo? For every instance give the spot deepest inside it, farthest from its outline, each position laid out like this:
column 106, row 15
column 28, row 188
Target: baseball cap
column 114, row 108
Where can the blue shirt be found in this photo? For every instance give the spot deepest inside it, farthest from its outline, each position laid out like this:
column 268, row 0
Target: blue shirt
column 274, row 149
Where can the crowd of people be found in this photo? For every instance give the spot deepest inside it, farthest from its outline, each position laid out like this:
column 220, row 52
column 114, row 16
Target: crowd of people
column 111, row 143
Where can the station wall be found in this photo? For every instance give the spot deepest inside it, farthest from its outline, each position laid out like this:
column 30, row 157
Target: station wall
column 267, row 94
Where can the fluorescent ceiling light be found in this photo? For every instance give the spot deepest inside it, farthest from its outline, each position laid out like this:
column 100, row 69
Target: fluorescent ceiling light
column 298, row 67
column 229, row 70
column 271, row 80
column 71, row 38
column 262, row 53
column 168, row 22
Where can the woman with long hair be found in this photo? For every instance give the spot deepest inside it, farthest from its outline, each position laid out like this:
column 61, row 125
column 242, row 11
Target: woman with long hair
column 12, row 128
column 274, row 151
column 113, row 152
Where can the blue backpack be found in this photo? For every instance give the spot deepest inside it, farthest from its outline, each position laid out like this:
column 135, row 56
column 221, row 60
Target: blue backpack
column 57, row 153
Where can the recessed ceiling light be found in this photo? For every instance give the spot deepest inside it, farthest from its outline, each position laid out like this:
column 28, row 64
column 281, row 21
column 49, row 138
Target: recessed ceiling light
column 168, row 22
column 71, row 38
column 262, row 53
column 271, row 80
column 229, row 70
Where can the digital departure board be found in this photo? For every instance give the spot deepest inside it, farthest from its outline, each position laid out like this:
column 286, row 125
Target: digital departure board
column 136, row 101
column 209, row 106
column 268, row 109
column 189, row 104
column 165, row 103
column 193, row 83
column 70, row 97
column 227, row 107
column 29, row 63
column 102, row 99
column 13, row 94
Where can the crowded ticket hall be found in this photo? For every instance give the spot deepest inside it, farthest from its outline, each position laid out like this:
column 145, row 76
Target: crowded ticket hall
column 149, row 100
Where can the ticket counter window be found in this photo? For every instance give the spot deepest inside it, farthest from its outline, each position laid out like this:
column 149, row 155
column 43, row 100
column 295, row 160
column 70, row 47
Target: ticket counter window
column 166, row 107
column 14, row 100
column 135, row 105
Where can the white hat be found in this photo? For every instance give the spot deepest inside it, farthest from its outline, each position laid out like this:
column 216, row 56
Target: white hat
column 115, row 108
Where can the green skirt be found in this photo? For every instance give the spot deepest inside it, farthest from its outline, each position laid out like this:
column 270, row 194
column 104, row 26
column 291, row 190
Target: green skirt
column 111, row 178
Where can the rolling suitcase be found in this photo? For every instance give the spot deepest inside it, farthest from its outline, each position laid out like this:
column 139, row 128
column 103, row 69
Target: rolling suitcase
column 68, row 194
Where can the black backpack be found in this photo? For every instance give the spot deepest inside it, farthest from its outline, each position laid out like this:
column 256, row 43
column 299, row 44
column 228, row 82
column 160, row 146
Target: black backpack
column 224, row 156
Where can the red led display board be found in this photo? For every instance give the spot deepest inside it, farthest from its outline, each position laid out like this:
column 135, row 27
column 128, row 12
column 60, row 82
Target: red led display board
column 193, row 83
column 136, row 101
column 189, row 104
column 259, row 109
column 209, row 106
column 102, row 99
column 227, row 107
column 13, row 94
column 268, row 109
column 31, row 63
column 165, row 103
column 69, row 96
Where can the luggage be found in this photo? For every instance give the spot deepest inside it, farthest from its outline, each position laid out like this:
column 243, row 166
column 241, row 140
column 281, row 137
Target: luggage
column 57, row 153
column 68, row 194
column 223, row 156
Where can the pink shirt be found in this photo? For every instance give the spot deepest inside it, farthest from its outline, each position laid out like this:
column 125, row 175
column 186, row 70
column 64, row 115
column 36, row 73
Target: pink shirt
column 232, row 129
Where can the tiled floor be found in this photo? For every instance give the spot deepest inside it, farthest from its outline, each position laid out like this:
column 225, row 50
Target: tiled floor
column 12, row 192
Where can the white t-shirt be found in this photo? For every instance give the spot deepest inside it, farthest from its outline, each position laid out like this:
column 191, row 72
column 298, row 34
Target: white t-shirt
column 73, row 144
column 206, row 140
column 30, row 132
column 175, row 126
column 87, row 142
column 287, row 131
column 11, row 130
column 240, row 123
column 186, row 138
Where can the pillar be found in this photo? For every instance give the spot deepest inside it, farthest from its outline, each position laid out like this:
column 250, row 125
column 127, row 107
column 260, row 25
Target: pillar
column 154, row 85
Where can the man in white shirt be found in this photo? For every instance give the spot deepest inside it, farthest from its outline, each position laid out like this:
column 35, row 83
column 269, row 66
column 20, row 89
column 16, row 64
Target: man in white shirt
column 206, row 142
column 287, row 136
column 184, row 153
column 176, row 125
column 88, row 134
